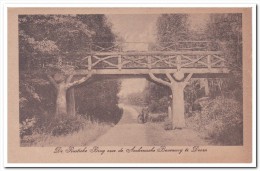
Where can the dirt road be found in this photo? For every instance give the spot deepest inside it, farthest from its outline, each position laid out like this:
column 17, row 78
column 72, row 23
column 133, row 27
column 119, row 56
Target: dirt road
column 126, row 133
column 130, row 133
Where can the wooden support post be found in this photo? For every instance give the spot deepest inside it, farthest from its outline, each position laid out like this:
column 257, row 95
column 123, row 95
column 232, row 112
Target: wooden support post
column 170, row 111
column 71, row 102
column 209, row 62
column 204, row 83
column 149, row 60
column 178, row 111
column 120, row 62
column 89, row 63
column 59, row 62
column 177, row 89
column 178, row 62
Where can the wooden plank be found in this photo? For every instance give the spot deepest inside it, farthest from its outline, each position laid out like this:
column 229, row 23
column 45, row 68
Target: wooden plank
column 89, row 63
column 147, row 71
column 120, row 62
column 149, row 60
column 100, row 60
column 178, row 62
column 209, row 61
column 165, row 53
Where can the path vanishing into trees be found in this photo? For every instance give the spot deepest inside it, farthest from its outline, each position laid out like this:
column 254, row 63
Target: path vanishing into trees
column 130, row 133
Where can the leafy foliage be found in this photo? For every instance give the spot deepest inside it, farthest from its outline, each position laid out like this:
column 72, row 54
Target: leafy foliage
column 226, row 29
column 65, row 126
column 172, row 27
column 26, row 127
column 76, row 135
column 157, row 97
column 98, row 100
column 136, row 99
column 221, row 117
column 221, row 120
column 47, row 39
column 168, row 124
column 37, row 97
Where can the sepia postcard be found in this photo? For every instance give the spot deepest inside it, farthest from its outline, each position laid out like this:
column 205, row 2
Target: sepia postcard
column 129, row 85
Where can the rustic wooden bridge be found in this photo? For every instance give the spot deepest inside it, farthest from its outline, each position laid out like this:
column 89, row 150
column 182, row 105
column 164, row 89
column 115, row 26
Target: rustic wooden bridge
column 177, row 61
column 187, row 56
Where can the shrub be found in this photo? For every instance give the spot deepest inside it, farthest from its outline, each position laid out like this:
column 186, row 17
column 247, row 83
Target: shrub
column 83, row 137
column 157, row 117
column 98, row 100
column 59, row 126
column 26, row 127
column 66, row 125
column 230, row 135
column 168, row 124
column 221, row 120
column 36, row 97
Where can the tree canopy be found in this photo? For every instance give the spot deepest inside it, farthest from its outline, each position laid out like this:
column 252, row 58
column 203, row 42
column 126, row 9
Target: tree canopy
column 224, row 31
column 44, row 40
column 50, row 37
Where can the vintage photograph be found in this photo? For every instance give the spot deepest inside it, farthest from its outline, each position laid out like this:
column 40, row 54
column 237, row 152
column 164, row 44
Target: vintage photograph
column 163, row 79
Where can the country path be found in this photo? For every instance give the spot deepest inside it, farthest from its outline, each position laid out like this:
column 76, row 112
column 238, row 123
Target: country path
column 127, row 132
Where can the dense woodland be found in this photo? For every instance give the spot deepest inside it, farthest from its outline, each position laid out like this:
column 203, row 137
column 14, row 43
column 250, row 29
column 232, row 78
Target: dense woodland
column 212, row 105
column 51, row 37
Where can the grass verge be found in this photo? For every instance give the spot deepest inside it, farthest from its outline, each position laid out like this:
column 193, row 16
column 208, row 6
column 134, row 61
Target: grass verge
column 83, row 137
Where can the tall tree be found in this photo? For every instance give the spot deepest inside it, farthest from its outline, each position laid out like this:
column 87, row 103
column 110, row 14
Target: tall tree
column 53, row 44
column 172, row 28
column 226, row 30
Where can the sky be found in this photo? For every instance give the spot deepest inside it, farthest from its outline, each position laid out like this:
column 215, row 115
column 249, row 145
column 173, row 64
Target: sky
column 135, row 28
column 198, row 22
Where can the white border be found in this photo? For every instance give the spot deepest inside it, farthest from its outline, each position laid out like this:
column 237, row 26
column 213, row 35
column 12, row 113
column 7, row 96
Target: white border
column 2, row 85
column 117, row 3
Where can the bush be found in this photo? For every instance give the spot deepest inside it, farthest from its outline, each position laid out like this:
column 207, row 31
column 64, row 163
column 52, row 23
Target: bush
column 157, row 117
column 83, row 137
column 229, row 135
column 221, row 120
column 26, row 127
column 65, row 125
column 168, row 124
column 98, row 100
column 159, row 106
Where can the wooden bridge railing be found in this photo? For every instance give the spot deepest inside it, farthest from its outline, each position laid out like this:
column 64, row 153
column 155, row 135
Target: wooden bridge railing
column 152, row 60
column 175, row 55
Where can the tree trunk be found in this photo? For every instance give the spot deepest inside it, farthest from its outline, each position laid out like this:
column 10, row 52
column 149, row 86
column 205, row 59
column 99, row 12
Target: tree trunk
column 61, row 102
column 170, row 112
column 177, row 88
column 205, row 84
column 71, row 102
column 207, row 87
column 178, row 105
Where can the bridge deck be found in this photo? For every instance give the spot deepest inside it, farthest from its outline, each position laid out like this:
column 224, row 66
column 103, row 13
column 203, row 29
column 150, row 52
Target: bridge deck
column 155, row 71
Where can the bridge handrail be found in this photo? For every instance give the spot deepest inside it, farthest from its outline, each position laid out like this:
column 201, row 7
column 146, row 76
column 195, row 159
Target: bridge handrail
column 108, row 58
column 161, row 46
